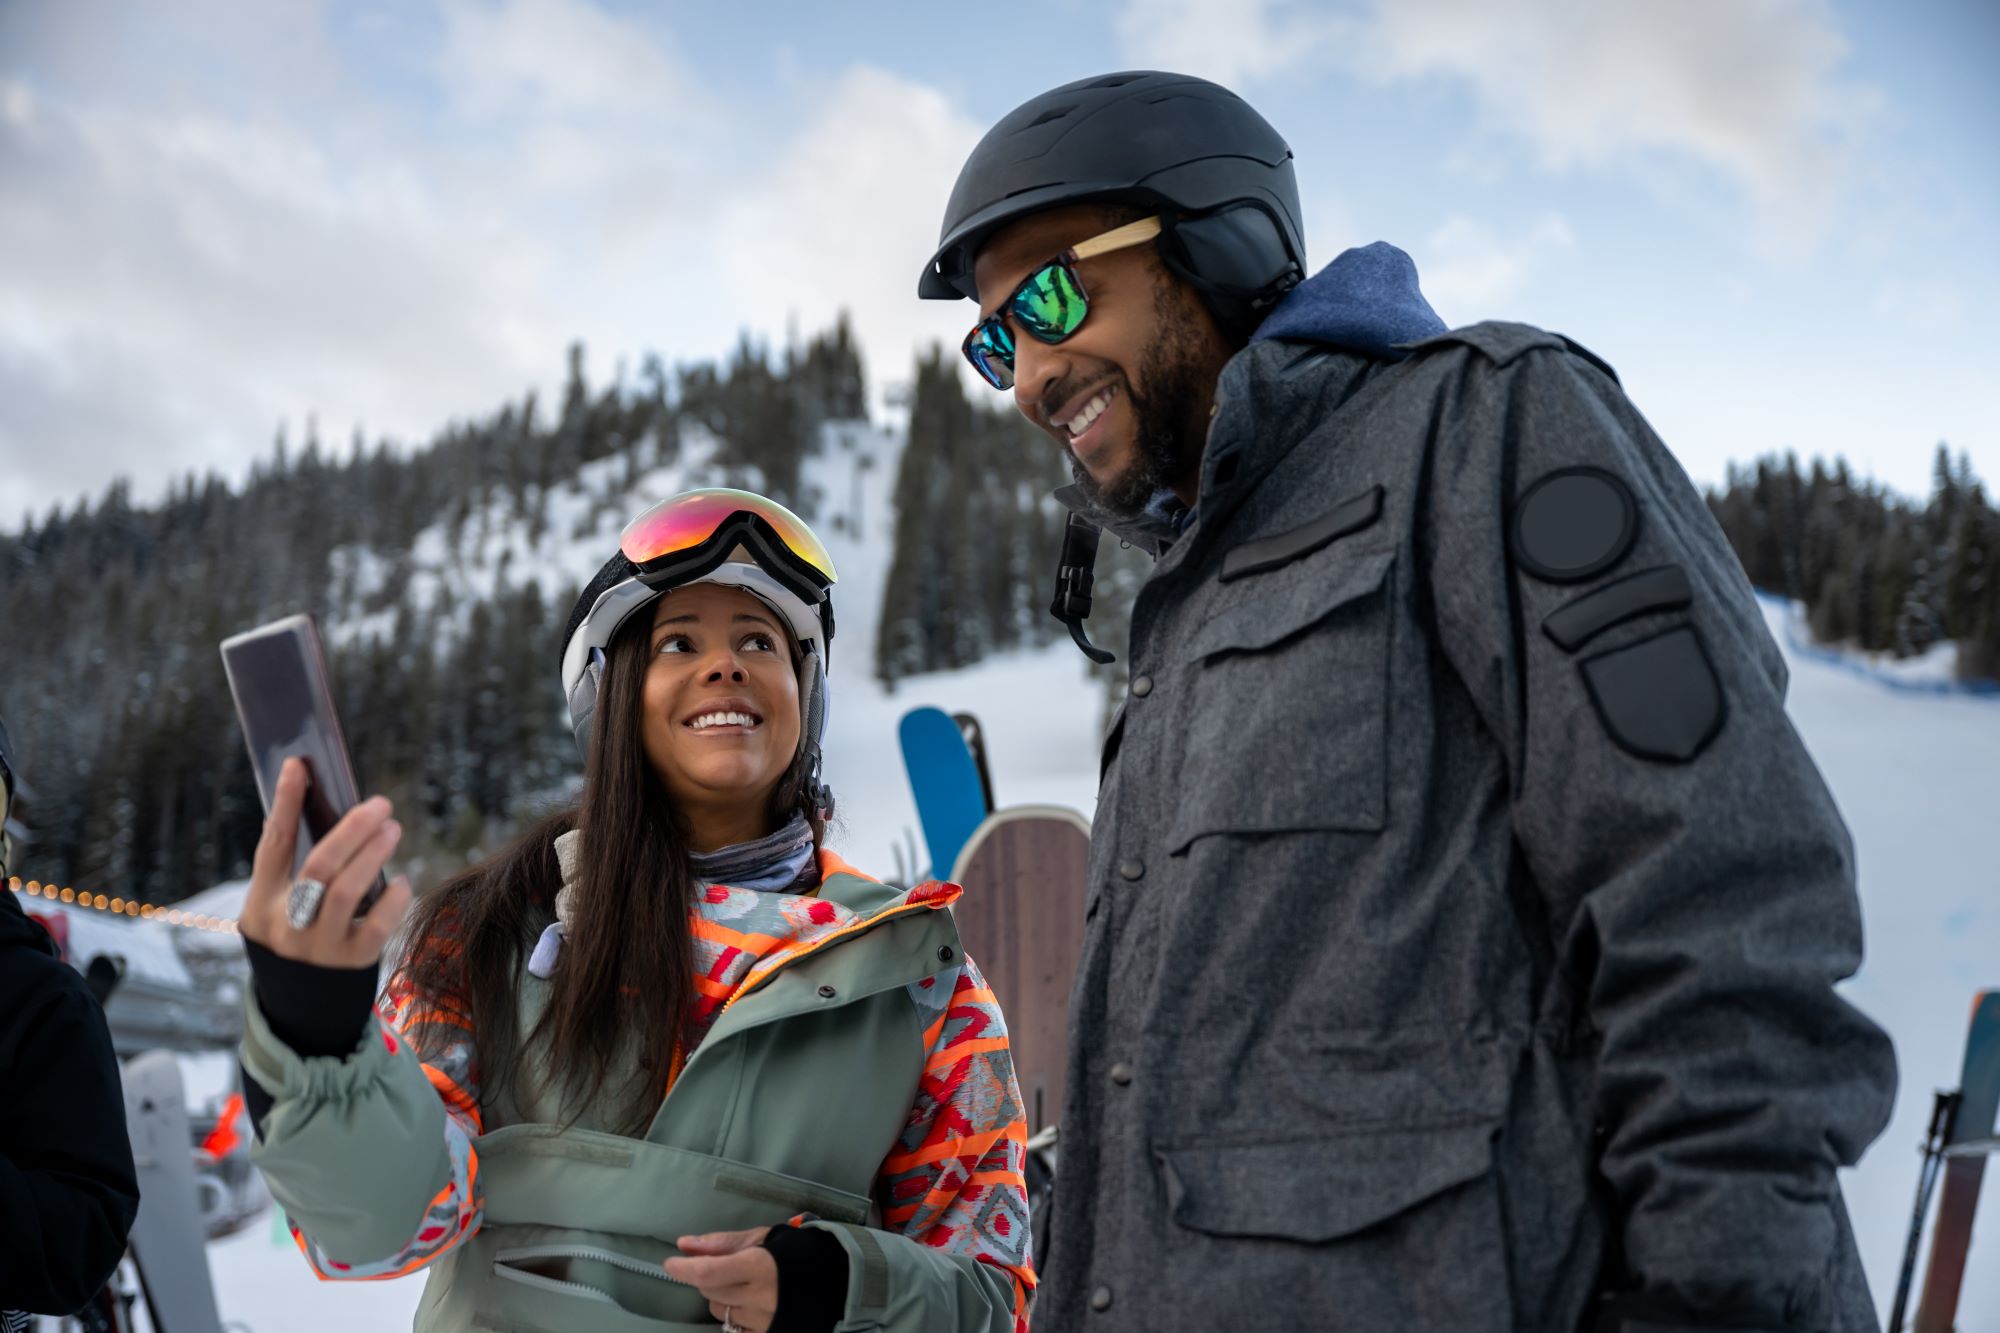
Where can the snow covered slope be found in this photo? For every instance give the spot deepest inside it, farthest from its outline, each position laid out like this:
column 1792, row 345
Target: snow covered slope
column 1915, row 774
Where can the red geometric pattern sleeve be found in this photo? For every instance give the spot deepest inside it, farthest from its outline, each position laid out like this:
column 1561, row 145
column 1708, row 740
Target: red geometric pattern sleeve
column 956, row 1178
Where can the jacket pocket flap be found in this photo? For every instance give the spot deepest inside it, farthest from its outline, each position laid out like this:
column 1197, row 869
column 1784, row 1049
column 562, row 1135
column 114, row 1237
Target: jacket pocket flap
column 1269, row 608
column 1320, row 1189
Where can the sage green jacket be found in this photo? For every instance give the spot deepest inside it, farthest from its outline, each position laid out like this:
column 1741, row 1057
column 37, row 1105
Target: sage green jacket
column 810, row 1080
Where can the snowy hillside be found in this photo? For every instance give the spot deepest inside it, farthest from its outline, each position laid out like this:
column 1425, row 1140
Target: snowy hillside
column 1914, row 772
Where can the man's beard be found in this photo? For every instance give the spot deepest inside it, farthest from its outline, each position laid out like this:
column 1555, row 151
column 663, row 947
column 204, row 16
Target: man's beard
column 1168, row 430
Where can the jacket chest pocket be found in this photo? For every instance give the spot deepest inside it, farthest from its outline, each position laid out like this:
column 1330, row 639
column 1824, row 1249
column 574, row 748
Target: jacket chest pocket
column 1287, row 692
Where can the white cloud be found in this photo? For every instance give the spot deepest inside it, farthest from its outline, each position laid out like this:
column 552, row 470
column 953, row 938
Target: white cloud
column 1229, row 41
column 1470, row 272
column 846, row 216
column 1749, row 88
column 566, row 57
column 184, row 272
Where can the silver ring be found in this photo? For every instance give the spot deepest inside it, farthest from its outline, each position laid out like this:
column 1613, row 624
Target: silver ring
column 729, row 1324
column 302, row 904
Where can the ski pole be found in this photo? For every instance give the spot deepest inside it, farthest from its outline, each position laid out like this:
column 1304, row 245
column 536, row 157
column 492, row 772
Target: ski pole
column 1944, row 1111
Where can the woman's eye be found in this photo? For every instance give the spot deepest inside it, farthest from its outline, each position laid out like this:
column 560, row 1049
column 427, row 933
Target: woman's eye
column 676, row 643
column 761, row 642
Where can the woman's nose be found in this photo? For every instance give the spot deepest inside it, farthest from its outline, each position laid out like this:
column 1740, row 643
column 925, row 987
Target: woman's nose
column 725, row 667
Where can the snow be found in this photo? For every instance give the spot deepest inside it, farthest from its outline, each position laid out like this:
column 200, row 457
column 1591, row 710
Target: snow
column 146, row 946
column 1915, row 774
column 224, row 900
column 1913, row 763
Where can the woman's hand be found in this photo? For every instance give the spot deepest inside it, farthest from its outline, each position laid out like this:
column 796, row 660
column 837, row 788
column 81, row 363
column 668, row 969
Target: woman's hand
column 735, row 1272
column 346, row 861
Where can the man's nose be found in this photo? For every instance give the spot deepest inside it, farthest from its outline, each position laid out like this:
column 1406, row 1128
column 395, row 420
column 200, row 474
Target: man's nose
column 1038, row 367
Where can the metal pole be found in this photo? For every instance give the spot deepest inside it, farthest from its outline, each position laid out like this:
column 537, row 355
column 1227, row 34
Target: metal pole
column 1943, row 1110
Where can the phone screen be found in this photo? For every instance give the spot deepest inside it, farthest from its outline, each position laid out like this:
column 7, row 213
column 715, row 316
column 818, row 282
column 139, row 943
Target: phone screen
column 277, row 673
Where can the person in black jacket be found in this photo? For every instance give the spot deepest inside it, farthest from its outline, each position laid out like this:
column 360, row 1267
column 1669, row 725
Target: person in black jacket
column 1465, row 916
column 68, row 1190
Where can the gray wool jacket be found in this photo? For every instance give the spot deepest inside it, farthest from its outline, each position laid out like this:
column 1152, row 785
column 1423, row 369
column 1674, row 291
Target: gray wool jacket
column 1464, row 912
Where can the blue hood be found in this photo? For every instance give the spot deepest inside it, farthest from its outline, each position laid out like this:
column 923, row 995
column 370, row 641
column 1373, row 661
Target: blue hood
column 1365, row 301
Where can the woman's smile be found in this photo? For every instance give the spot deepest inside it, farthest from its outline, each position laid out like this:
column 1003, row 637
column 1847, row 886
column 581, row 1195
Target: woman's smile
column 725, row 717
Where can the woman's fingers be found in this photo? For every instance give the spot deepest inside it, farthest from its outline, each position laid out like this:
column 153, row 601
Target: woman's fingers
column 370, row 936
column 280, row 837
column 271, row 867
column 345, row 887
column 750, row 1321
column 330, row 939
column 722, row 1242
column 347, row 861
column 745, row 1279
column 347, row 839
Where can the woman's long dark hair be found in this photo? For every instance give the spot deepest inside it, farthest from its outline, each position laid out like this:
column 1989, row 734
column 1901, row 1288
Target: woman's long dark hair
column 627, row 966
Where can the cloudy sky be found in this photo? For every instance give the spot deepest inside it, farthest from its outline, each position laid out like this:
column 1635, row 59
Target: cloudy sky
column 1777, row 218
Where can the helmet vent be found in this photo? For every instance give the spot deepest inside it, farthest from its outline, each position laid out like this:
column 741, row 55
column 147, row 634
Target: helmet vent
column 1115, row 80
column 1053, row 113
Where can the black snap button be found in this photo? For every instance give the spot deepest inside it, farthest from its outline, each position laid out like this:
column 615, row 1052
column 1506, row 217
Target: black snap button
column 1132, row 869
column 1142, row 686
column 1121, row 1073
column 1100, row 1299
column 944, row 953
column 826, row 992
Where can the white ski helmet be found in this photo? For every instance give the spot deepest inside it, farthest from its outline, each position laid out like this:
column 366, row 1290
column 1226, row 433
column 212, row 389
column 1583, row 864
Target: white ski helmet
column 734, row 538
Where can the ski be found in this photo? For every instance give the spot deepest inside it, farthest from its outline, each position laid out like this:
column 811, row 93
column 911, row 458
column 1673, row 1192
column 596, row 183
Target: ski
column 975, row 741
column 944, row 777
column 1971, row 1124
column 169, row 1243
column 1021, row 918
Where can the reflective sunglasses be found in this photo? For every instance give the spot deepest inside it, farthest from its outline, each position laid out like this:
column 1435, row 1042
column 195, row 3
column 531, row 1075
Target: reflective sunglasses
column 690, row 534
column 1050, row 304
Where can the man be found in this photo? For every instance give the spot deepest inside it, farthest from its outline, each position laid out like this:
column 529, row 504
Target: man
column 68, row 1191
column 1464, row 913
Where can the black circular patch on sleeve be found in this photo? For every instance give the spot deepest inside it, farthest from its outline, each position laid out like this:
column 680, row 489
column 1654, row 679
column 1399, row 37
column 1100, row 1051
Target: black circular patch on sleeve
column 1574, row 524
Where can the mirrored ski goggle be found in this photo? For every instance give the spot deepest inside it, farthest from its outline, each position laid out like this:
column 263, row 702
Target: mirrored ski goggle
column 693, row 531
column 1049, row 305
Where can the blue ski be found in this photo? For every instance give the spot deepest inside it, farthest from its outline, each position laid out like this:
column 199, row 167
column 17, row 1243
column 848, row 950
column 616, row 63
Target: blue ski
column 944, row 777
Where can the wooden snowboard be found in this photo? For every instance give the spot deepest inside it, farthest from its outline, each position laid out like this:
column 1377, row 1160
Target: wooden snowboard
column 1021, row 918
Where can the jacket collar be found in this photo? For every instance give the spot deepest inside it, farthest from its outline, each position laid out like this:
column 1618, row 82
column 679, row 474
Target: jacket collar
column 1270, row 396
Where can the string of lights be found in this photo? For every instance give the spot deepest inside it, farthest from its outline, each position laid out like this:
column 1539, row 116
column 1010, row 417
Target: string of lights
column 97, row 902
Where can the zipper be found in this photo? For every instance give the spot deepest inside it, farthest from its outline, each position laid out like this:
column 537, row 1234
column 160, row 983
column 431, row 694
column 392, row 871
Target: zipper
column 616, row 1260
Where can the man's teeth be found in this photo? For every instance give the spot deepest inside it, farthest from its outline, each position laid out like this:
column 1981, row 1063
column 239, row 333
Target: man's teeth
column 723, row 720
column 1088, row 413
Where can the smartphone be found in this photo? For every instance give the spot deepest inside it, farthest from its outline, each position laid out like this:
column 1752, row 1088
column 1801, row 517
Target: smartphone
column 277, row 673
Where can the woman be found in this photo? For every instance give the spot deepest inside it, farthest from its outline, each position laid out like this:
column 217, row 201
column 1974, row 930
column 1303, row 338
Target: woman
column 667, row 1061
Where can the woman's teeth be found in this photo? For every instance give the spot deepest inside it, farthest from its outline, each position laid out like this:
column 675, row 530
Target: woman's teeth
column 1089, row 413
column 723, row 720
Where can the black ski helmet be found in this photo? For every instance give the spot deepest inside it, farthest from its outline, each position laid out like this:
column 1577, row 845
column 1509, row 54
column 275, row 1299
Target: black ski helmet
column 1190, row 147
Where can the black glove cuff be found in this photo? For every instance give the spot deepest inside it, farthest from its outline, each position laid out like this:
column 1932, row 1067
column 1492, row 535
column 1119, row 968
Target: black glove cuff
column 312, row 1009
column 812, row 1279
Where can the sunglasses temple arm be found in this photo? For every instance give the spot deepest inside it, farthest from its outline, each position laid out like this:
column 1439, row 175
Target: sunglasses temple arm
column 1076, row 571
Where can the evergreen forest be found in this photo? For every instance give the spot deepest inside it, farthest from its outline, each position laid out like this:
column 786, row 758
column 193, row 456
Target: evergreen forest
column 136, row 780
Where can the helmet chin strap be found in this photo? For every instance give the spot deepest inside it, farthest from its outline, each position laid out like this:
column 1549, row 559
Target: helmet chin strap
column 814, row 716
